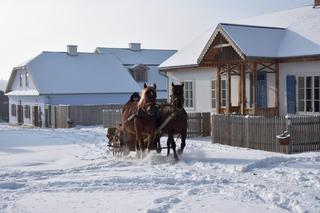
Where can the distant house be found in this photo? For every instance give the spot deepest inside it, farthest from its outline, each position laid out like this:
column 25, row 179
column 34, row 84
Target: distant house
column 76, row 78
column 4, row 107
column 142, row 64
column 265, row 65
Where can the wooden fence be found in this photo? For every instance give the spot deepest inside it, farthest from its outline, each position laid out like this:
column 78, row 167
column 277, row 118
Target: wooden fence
column 198, row 123
column 65, row 116
column 260, row 132
column 305, row 133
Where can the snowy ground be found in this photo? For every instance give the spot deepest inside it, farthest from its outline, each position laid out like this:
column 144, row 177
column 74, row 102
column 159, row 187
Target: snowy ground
column 69, row 170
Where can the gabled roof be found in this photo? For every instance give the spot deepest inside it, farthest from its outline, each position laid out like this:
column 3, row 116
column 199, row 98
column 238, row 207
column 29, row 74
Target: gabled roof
column 60, row 73
column 249, row 41
column 293, row 33
column 143, row 56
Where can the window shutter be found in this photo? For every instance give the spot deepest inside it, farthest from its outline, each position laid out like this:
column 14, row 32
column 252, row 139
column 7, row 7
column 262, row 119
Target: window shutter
column 291, row 94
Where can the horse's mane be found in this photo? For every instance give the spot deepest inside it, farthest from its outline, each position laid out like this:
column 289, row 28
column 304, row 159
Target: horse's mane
column 143, row 96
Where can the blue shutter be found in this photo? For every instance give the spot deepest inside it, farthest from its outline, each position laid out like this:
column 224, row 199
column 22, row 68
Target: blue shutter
column 291, row 94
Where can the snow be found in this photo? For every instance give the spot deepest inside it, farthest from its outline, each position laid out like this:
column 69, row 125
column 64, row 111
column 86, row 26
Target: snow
column 60, row 73
column 188, row 56
column 301, row 37
column 70, row 170
column 256, row 45
column 143, row 56
column 31, row 92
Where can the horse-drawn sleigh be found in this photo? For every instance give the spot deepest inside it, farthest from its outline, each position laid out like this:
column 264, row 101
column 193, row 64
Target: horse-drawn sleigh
column 143, row 122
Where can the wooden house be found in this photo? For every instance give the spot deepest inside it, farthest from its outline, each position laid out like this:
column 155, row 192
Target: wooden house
column 266, row 65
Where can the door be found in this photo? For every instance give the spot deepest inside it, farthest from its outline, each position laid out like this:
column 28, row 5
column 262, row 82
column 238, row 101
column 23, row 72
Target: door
column 20, row 114
column 262, row 95
column 35, row 113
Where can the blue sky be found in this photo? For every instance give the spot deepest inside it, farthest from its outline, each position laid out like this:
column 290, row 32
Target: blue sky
column 29, row 27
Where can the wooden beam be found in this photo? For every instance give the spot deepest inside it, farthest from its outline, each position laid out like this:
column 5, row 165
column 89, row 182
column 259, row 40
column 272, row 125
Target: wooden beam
column 254, row 88
column 239, row 86
column 221, row 45
column 218, row 89
column 277, row 101
column 244, row 98
column 229, row 89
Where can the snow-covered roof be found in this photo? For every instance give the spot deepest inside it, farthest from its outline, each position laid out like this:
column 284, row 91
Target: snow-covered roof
column 143, row 56
column 188, row 56
column 256, row 46
column 300, row 37
column 31, row 92
column 60, row 73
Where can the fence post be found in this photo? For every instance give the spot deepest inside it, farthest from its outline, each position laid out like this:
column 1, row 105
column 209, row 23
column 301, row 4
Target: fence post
column 247, row 135
column 289, row 129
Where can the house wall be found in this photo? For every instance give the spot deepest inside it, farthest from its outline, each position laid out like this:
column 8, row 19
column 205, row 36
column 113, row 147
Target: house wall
column 16, row 81
column 87, row 99
column 201, row 78
column 299, row 68
column 27, row 100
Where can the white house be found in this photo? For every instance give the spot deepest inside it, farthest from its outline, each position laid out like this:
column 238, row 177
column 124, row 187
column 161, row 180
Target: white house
column 74, row 78
column 265, row 65
column 143, row 64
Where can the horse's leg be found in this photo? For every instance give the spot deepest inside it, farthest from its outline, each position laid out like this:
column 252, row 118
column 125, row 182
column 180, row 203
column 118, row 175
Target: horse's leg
column 168, row 145
column 183, row 141
column 139, row 140
column 173, row 146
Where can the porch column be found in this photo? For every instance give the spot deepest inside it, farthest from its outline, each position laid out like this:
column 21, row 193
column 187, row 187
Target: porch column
column 229, row 88
column 218, row 89
column 243, row 88
column 254, row 88
column 277, row 101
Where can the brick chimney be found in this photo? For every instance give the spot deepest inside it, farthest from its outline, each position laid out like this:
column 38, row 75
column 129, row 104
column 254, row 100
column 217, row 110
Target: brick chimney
column 72, row 50
column 316, row 3
column 135, row 46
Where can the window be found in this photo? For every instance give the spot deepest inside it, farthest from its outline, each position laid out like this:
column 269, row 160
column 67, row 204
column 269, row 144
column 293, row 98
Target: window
column 27, row 111
column 308, row 88
column 21, row 78
column 139, row 72
column 140, row 75
column 13, row 110
column 223, row 93
column 188, row 94
column 27, row 76
column 213, row 94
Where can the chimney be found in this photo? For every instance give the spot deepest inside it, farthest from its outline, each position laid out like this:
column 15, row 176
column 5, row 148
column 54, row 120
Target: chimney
column 316, row 3
column 135, row 46
column 72, row 50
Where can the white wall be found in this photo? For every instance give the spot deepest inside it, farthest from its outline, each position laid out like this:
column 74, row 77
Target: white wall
column 87, row 99
column 16, row 81
column 201, row 78
column 27, row 100
column 299, row 68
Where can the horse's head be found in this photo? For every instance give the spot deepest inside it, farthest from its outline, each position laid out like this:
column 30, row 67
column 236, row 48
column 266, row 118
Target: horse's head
column 148, row 97
column 177, row 97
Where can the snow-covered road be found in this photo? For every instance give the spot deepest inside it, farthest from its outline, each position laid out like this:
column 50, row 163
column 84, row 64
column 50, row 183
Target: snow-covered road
column 69, row 170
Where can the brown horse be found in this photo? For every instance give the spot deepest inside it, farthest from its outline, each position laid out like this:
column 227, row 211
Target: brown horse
column 178, row 123
column 139, row 120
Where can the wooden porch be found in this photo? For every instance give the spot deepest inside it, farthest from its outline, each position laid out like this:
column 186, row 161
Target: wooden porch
column 242, row 70
column 238, row 70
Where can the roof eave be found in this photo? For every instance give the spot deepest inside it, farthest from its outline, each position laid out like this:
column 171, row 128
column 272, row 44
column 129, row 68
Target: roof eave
column 178, row 67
